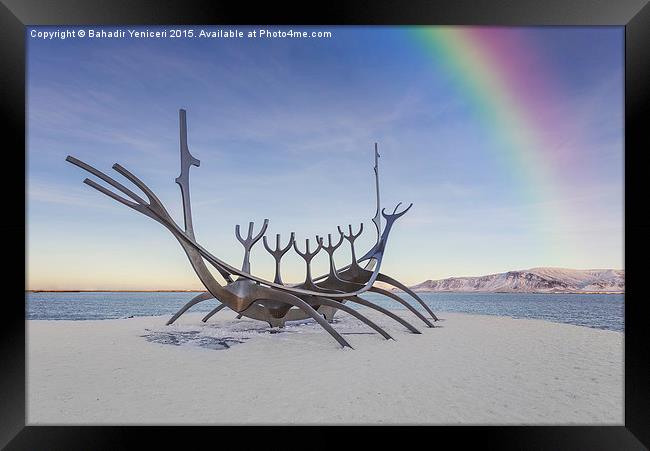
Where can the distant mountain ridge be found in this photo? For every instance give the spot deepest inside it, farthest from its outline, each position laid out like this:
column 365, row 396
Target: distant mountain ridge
column 535, row 280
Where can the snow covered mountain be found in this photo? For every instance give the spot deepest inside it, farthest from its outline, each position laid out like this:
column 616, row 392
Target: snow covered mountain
column 535, row 280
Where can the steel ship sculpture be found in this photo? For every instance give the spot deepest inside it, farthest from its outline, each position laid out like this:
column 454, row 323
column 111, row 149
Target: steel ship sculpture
column 274, row 301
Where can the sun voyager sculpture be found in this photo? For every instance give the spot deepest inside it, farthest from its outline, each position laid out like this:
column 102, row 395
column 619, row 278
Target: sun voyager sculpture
column 274, row 301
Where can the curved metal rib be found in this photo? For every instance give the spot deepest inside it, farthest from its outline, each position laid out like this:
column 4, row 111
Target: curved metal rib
column 397, row 284
column 337, row 285
column 403, row 302
column 261, row 293
column 195, row 300
column 373, row 306
column 340, row 306
column 106, row 178
column 213, row 312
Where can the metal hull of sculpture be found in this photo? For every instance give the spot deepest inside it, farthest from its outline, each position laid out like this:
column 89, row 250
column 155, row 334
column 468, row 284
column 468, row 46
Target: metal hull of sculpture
column 264, row 300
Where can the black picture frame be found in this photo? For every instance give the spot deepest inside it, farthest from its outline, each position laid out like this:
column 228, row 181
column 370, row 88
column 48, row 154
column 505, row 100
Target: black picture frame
column 634, row 15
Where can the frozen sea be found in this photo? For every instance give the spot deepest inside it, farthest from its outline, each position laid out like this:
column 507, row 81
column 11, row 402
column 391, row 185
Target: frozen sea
column 600, row 311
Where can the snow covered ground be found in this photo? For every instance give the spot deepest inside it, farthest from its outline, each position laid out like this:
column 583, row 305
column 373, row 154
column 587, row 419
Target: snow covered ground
column 470, row 370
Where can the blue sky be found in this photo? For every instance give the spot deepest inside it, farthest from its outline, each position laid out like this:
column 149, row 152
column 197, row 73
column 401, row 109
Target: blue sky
column 285, row 130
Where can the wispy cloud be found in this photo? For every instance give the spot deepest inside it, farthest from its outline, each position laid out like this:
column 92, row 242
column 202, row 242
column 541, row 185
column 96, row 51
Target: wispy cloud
column 40, row 192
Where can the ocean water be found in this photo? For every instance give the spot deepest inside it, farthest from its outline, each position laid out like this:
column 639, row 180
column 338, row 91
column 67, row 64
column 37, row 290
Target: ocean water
column 601, row 311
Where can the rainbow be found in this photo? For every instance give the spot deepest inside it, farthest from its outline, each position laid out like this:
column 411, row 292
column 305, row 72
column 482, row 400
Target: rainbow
column 515, row 96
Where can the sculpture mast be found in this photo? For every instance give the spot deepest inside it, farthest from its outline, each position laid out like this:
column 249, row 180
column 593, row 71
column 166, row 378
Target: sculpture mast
column 183, row 180
column 377, row 218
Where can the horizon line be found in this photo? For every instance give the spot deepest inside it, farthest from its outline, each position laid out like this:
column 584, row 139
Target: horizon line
column 198, row 290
